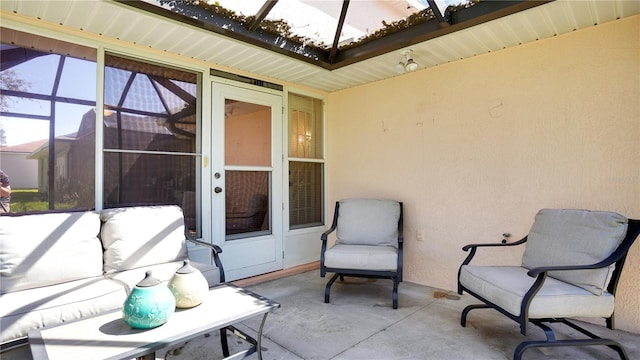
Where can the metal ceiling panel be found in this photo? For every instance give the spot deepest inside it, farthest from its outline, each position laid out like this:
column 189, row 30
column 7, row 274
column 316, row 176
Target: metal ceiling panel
column 539, row 24
column 487, row 36
column 628, row 8
column 559, row 19
column 147, row 34
column 446, row 47
column 581, row 15
column 69, row 13
column 140, row 27
column 603, row 10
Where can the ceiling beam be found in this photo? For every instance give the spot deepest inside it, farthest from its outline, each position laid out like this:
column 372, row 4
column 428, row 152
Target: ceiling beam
column 332, row 59
column 262, row 13
column 481, row 12
column 436, row 12
column 336, row 39
column 193, row 15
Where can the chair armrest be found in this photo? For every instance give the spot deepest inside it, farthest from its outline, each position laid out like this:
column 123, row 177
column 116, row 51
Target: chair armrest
column 325, row 235
column 615, row 256
column 215, row 250
column 474, row 247
column 401, row 227
column 471, row 246
column 334, row 226
column 323, row 248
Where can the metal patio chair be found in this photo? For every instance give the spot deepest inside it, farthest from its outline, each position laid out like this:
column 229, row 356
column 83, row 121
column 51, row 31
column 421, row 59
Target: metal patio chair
column 570, row 268
column 368, row 242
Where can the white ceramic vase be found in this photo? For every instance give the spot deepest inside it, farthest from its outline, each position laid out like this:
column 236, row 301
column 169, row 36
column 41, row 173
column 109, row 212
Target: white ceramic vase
column 189, row 286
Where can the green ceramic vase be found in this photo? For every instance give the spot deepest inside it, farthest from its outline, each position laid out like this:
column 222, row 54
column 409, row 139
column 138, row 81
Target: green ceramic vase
column 149, row 305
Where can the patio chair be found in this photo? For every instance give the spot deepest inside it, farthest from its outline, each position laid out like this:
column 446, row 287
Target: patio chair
column 570, row 268
column 368, row 244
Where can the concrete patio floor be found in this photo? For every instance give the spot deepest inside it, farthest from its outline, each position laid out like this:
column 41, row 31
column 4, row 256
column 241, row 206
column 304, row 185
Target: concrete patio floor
column 359, row 323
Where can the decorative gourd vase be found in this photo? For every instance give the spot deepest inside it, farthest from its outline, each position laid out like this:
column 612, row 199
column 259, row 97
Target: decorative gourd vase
column 149, row 305
column 189, row 286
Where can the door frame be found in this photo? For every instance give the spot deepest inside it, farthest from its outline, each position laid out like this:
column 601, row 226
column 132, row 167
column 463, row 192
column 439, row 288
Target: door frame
column 236, row 268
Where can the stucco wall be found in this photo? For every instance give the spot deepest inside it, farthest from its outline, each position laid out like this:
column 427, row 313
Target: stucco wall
column 476, row 147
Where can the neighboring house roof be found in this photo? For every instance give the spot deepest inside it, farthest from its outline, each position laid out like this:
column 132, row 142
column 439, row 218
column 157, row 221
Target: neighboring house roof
column 43, row 150
column 25, row 148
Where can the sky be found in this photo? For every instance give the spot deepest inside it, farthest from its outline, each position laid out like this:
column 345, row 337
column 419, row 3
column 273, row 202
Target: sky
column 78, row 81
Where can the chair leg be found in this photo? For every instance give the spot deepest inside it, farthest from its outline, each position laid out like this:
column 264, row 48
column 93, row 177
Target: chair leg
column 223, row 342
column 395, row 292
column 552, row 342
column 517, row 355
column 526, row 345
column 465, row 312
column 327, row 289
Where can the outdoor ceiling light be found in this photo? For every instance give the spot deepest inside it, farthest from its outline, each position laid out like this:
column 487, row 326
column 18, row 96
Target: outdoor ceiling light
column 406, row 63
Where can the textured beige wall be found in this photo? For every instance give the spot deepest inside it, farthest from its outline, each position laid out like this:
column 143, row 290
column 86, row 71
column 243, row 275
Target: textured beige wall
column 476, row 147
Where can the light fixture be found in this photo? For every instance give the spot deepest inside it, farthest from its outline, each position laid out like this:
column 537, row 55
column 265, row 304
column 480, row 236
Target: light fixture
column 406, row 64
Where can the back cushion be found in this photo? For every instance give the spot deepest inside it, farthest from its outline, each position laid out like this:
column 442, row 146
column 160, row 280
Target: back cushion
column 368, row 222
column 575, row 237
column 140, row 236
column 46, row 249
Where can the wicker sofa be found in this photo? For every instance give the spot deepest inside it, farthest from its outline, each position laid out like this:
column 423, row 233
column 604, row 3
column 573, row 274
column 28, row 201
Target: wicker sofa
column 61, row 266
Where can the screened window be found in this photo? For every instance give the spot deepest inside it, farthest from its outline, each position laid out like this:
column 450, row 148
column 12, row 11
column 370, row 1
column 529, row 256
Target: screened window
column 248, row 175
column 47, row 122
column 150, row 132
column 306, row 161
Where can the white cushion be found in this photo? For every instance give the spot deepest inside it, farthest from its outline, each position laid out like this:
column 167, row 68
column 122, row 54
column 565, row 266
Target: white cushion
column 140, row 236
column 163, row 272
column 44, row 249
column 506, row 286
column 368, row 222
column 26, row 310
column 575, row 237
column 361, row 257
column 210, row 272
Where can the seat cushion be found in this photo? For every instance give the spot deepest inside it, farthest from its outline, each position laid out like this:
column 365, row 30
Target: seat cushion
column 361, row 257
column 30, row 309
column 31, row 246
column 141, row 236
column 368, row 222
column 506, row 286
column 575, row 237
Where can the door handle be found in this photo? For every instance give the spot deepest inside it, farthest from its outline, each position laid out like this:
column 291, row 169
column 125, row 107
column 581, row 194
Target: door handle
column 218, row 189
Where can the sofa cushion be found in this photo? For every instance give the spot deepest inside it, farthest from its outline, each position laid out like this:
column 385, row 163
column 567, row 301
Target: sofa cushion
column 361, row 257
column 368, row 222
column 140, row 236
column 163, row 272
column 575, row 237
column 30, row 309
column 505, row 286
column 44, row 249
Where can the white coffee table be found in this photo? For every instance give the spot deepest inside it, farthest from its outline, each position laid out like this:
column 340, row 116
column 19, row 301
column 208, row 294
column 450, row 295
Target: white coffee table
column 107, row 336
